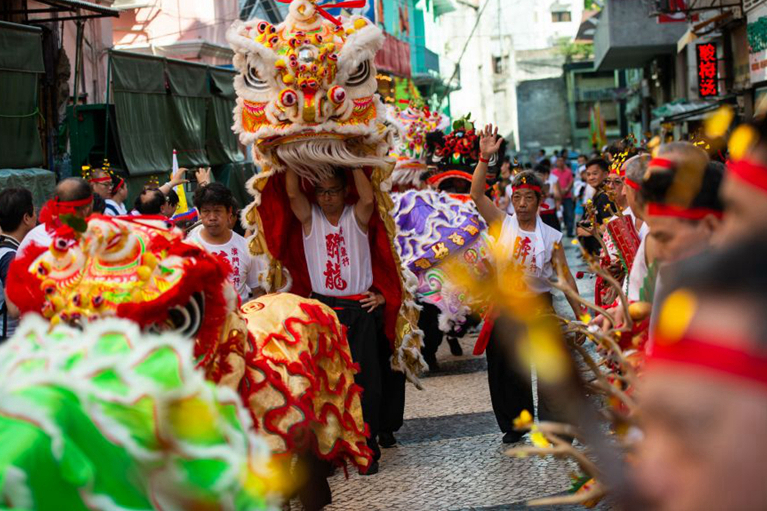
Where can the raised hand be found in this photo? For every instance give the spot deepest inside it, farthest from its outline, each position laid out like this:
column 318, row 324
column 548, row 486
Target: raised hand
column 178, row 178
column 489, row 141
column 203, row 176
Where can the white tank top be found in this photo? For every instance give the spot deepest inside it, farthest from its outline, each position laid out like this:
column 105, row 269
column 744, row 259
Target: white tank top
column 338, row 257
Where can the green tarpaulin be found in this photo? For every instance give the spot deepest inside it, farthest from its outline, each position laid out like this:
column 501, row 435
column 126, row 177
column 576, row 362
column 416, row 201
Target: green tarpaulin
column 188, row 99
column 220, row 141
column 165, row 104
column 21, row 63
column 40, row 182
column 142, row 111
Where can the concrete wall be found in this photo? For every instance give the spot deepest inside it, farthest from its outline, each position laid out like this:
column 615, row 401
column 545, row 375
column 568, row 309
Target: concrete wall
column 626, row 37
column 544, row 120
column 191, row 30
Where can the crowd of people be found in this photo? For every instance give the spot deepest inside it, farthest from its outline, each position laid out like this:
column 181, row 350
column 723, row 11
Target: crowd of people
column 679, row 230
column 684, row 231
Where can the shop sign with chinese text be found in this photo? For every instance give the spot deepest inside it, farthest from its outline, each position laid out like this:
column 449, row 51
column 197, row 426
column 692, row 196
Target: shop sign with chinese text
column 757, row 44
column 708, row 77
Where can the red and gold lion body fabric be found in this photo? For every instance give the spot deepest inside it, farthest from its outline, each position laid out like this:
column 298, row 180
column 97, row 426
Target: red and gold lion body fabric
column 140, row 268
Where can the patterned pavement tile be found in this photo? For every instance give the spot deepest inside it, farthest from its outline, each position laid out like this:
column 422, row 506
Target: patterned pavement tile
column 450, row 455
column 457, row 473
column 448, row 395
column 431, row 429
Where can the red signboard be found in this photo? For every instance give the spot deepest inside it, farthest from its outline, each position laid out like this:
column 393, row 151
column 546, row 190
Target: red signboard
column 708, row 76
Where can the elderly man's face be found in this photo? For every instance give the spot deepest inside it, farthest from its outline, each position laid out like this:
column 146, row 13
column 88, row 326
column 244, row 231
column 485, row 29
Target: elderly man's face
column 704, row 441
column 745, row 210
column 678, row 238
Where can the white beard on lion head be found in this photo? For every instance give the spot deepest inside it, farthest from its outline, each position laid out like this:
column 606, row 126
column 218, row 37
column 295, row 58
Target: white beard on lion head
column 306, row 92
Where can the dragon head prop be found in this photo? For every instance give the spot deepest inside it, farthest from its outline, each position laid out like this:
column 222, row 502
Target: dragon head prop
column 306, row 91
column 138, row 268
column 434, row 228
column 454, row 156
column 413, row 124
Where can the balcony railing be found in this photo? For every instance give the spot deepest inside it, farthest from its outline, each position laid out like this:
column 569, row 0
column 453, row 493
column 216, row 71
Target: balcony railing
column 424, row 61
column 594, row 94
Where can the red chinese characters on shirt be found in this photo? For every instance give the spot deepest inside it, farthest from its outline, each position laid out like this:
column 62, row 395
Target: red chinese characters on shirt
column 521, row 249
column 234, row 260
column 335, row 247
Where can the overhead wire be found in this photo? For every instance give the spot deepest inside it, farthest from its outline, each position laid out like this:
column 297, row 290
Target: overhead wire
column 463, row 52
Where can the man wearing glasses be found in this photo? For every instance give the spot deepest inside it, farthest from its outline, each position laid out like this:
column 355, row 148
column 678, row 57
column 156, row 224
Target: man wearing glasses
column 337, row 251
column 597, row 172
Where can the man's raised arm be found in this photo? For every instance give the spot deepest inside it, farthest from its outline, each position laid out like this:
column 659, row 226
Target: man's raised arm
column 363, row 210
column 489, row 144
column 299, row 204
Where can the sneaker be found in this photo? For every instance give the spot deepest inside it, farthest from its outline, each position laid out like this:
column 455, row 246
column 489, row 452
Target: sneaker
column 386, row 440
column 455, row 347
column 512, row 437
column 372, row 470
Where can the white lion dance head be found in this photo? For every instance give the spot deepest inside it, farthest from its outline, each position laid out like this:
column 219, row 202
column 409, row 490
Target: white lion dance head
column 307, row 91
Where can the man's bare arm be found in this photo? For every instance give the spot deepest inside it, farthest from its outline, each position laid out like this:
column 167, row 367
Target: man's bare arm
column 489, row 144
column 363, row 210
column 560, row 260
column 299, row 204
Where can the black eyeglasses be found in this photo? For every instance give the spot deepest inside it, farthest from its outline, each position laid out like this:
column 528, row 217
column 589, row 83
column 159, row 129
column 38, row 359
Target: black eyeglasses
column 329, row 192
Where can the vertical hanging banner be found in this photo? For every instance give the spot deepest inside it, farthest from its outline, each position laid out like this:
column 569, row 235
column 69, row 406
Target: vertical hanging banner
column 708, row 75
column 182, row 207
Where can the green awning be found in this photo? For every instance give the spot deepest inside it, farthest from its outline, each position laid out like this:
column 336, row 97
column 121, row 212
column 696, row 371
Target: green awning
column 165, row 104
column 141, row 108
column 187, row 108
column 21, row 63
column 221, row 144
column 21, row 48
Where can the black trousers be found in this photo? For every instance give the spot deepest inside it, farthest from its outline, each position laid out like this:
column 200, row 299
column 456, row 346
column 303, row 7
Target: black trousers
column 392, row 390
column 432, row 335
column 315, row 493
column 509, row 380
column 362, row 328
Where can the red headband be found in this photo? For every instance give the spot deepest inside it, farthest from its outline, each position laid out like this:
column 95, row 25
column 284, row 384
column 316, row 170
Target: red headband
column 749, row 172
column 662, row 163
column 632, row 184
column 119, row 185
column 525, row 185
column 703, row 354
column 50, row 212
column 657, row 209
column 100, row 179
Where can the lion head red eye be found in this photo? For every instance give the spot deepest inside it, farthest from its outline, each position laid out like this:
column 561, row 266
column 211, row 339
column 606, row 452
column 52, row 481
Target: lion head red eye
column 337, row 95
column 288, row 98
column 60, row 244
column 262, row 27
column 97, row 301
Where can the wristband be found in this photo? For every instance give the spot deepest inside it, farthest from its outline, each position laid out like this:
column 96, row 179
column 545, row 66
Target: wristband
column 481, row 159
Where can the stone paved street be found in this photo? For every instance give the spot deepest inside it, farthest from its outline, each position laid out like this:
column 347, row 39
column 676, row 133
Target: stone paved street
column 450, row 455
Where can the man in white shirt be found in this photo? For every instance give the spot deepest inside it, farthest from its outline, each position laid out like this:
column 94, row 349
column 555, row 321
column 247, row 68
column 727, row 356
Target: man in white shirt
column 216, row 204
column 534, row 248
column 73, row 196
column 337, row 251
